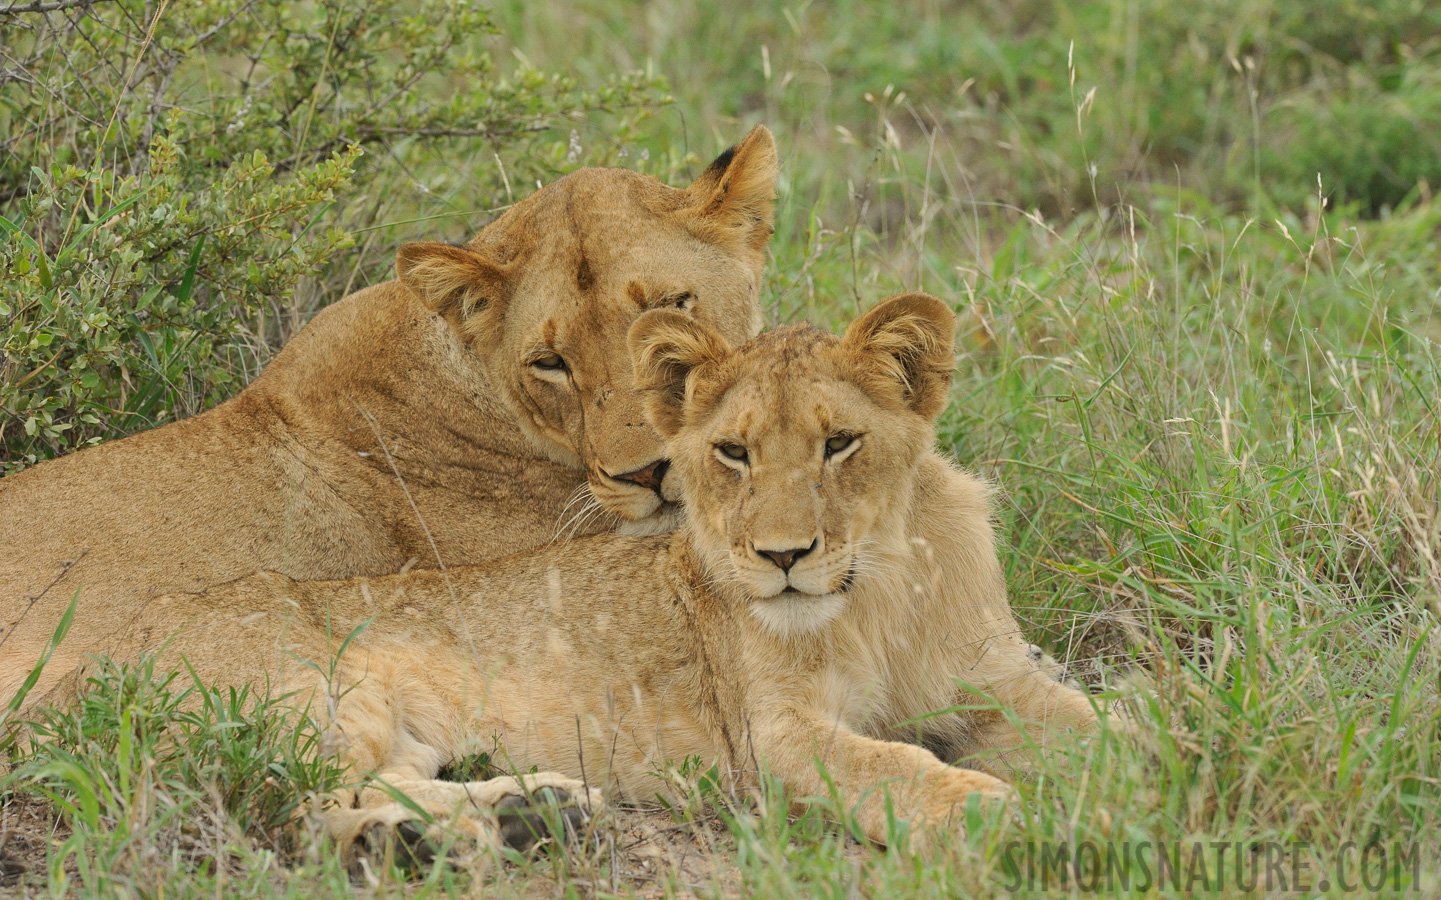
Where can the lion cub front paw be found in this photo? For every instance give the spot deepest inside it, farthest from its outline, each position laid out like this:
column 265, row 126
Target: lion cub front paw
column 390, row 835
column 947, row 801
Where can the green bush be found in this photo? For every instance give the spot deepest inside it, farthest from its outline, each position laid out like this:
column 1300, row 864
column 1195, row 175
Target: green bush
column 180, row 185
column 1370, row 146
column 1247, row 101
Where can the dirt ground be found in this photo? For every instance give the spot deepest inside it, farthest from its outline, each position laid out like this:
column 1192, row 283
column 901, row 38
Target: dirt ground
column 644, row 852
column 28, row 828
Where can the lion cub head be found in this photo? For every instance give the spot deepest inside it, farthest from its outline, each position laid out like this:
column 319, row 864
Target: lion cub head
column 797, row 452
column 545, row 294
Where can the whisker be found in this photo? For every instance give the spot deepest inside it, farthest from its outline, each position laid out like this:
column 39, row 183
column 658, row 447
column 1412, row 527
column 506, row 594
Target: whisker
column 590, row 507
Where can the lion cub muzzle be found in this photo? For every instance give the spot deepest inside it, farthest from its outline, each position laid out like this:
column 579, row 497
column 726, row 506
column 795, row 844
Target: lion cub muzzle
column 784, row 559
column 789, row 568
column 797, row 589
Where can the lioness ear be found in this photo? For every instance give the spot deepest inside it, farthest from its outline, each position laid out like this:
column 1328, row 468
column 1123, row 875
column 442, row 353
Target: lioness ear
column 666, row 347
column 731, row 200
column 906, row 341
column 463, row 286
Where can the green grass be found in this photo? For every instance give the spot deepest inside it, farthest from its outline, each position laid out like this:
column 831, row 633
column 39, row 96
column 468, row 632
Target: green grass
column 1206, row 388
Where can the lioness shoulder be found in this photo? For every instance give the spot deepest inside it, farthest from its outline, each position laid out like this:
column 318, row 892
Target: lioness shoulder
column 478, row 405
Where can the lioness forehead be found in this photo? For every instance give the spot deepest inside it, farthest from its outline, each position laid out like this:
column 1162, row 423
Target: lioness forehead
column 608, row 204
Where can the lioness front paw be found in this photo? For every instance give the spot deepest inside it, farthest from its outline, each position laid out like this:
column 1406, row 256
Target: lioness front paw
column 547, row 813
column 391, row 835
column 407, row 844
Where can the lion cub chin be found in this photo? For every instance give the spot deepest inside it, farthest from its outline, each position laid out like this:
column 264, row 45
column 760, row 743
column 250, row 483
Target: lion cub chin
column 792, row 614
column 836, row 580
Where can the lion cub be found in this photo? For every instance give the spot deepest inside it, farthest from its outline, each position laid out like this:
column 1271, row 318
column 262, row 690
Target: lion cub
column 836, row 579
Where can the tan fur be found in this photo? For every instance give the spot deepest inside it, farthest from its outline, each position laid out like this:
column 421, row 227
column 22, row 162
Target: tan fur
column 614, row 655
column 406, row 422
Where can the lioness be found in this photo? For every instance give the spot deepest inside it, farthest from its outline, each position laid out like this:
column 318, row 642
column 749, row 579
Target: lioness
column 452, row 416
column 836, row 580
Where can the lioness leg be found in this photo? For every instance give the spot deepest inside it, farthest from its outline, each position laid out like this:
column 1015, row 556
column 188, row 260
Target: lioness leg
column 506, row 811
column 380, row 739
column 922, row 789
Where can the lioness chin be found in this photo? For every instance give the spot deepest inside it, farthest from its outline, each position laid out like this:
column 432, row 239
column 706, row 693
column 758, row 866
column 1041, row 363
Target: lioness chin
column 836, row 579
column 479, row 405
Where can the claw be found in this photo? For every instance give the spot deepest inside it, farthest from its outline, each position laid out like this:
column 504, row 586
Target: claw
column 524, row 821
column 407, row 843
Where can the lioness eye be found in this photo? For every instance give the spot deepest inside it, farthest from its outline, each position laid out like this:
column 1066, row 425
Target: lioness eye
column 550, row 361
column 682, row 302
column 734, row 451
column 838, row 443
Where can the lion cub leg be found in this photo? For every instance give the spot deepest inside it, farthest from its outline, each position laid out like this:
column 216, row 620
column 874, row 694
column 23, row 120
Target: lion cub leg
column 922, row 789
column 1009, row 674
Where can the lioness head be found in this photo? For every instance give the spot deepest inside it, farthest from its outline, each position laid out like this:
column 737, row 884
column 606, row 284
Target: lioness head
column 797, row 452
column 545, row 294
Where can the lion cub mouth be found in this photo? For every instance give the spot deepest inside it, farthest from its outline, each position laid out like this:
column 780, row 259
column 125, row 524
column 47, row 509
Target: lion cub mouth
column 848, row 581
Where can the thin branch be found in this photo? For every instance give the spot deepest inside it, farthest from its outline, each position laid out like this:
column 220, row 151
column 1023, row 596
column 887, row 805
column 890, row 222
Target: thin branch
column 42, row 7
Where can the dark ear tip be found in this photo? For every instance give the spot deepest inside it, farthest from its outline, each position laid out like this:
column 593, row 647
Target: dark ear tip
column 722, row 162
column 758, row 142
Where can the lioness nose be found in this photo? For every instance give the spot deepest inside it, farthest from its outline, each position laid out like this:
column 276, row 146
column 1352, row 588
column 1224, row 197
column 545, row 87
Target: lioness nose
column 787, row 558
column 649, row 477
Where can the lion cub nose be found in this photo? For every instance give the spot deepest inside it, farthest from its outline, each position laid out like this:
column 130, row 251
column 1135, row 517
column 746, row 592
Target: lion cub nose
column 649, row 477
column 786, row 558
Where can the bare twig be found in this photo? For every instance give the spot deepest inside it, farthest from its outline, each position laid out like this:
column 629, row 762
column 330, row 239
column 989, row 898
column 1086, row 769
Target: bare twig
column 40, row 6
column 65, row 568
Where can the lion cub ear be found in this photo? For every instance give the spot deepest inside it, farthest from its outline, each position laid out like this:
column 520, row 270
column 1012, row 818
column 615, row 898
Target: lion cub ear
column 666, row 347
column 463, row 286
column 731, row 200
column 906, row 342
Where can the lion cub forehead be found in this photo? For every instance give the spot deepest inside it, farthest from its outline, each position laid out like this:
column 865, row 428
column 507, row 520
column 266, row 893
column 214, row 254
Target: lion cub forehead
column 791, row 379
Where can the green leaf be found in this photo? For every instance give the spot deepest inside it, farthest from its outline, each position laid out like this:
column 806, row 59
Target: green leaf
column 187, row 281
column 147, row 298
column 46, row 281
column 56, row 637
column 104, row 217
column 13, row 230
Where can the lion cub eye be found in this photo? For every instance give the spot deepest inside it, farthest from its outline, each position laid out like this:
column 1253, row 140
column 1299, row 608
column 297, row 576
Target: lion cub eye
column 839, row 443
column 551, row 362
column 732, row 451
